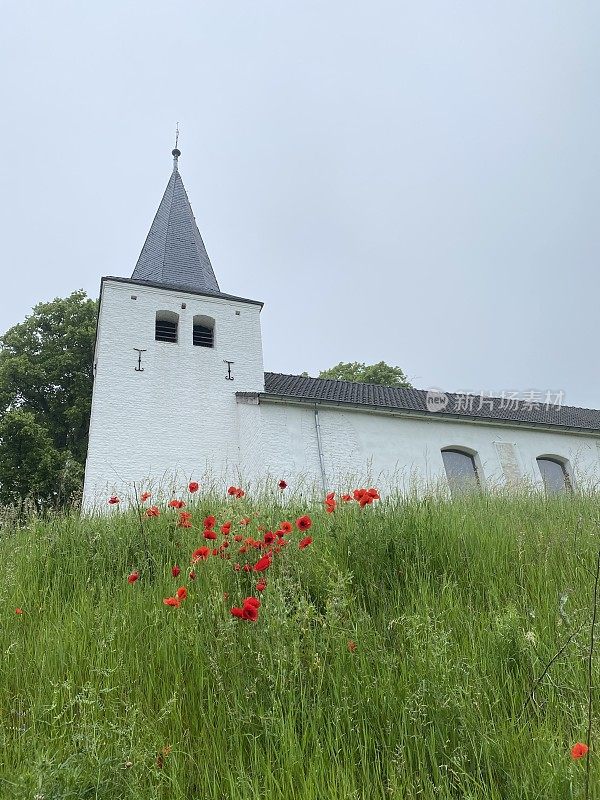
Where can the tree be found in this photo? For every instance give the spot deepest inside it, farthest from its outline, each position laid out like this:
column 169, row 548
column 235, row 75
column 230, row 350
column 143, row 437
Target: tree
column 380, row 373
column 45, row 397
column 30, row 465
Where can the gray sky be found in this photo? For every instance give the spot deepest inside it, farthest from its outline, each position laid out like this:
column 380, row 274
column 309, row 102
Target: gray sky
column 416, row 182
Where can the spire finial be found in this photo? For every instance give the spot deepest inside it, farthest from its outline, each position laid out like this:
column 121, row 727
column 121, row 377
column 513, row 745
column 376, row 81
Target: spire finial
column 176, row 152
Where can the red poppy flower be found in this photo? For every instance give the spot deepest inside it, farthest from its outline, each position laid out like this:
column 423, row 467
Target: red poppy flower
column 133, row 576
column 240, row 493
column 172, row 601
column 262, row 564
column 192, row 575
column 247, row 567
column 286, row 527
column 365, row 500
column 145, row 496
column 185, row 519
column 238, row 537
column 303, row 523
column 232, row 490
column 112, row 501
column 153, row 512
column 225, row 528
column 176, row 504
column 250, row 613
column 18, row 610
column 200, row 553
column 225, row 544
column 358, row 493
column 237, row 612
column 193, row 487
column 330, row 503
column 251, row 601
column 304, row 542
column 245, row 521
column 181, row 593
column 209, row 521
column 373, row 493
column 282, row 485
column 210, row 535
column 346, row 498
column 579, row 750
column 215, row 552
column 269, row 537
column 175, row 571
column 261, row 585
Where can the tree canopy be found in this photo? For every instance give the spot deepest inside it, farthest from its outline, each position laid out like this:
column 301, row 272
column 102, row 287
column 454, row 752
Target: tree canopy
column 380, row 373
column 45, row 399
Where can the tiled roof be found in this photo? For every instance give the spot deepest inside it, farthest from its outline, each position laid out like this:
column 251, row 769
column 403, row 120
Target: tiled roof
column 536, row 411
column 174, row 252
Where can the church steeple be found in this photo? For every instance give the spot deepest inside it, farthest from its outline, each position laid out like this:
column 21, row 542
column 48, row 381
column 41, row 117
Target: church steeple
column 174, row 253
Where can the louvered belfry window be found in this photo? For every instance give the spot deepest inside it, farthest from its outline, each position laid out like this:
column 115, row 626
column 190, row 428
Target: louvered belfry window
column 203, row 337
column 166, row 327
column 203, row 331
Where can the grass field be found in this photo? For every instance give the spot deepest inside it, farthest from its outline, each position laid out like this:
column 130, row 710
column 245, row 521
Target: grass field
column 454, row 611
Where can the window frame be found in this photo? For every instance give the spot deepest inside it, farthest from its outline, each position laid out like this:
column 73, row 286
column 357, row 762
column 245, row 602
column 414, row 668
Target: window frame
column 454, row 481
column 170, row 318
column 563, row 463
column 207, row 324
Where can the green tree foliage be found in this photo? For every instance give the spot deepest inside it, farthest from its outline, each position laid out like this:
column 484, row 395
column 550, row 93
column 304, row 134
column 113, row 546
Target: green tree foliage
column 380, row 373
column 45, row 397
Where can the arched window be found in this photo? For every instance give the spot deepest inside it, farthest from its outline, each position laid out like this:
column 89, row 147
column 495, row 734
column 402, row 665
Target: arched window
column 165, row 329
column 461, row 471
column 554, row 474
column 204, row 331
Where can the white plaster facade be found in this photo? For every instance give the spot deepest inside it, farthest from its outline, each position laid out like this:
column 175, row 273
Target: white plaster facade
column 180, row 418
column 177, row 417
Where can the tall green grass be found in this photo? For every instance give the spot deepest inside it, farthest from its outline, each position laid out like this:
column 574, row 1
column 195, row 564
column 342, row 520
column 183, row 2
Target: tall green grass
column 455, row 609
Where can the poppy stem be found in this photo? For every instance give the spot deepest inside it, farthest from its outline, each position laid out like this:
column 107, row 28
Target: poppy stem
column 557, row 655
column 590, row 677
column 139, row 510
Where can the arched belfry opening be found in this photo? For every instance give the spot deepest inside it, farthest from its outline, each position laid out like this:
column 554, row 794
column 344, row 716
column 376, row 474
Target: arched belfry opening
column 166, row 326
column 203, row 331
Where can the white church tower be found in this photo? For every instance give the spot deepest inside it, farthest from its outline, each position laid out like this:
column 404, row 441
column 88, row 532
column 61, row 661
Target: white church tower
column 172, row 350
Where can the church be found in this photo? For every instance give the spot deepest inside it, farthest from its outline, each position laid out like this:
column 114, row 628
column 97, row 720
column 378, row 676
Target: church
column 180, row 393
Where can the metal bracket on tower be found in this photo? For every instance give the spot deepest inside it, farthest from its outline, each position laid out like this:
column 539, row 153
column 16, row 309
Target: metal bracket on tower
column 229, row 376
column 139, row 367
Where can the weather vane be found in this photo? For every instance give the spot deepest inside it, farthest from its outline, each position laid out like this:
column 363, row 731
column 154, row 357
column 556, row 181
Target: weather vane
column 176, row 150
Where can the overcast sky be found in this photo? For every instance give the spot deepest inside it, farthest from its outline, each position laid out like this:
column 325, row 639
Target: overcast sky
column 416, row 182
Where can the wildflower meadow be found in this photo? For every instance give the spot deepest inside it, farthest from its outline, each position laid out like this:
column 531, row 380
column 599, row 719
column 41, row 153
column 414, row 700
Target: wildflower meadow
column 225, row 646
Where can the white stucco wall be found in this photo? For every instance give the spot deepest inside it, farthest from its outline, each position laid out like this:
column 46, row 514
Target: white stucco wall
column 400, row 453
column 180, row 418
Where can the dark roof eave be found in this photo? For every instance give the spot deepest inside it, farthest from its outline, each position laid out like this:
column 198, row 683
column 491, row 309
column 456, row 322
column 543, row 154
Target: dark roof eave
column 180, row 288
column 409, row 412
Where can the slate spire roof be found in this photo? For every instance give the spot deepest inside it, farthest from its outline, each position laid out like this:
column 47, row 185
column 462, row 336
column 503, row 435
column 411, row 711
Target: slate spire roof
column 174, row 253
